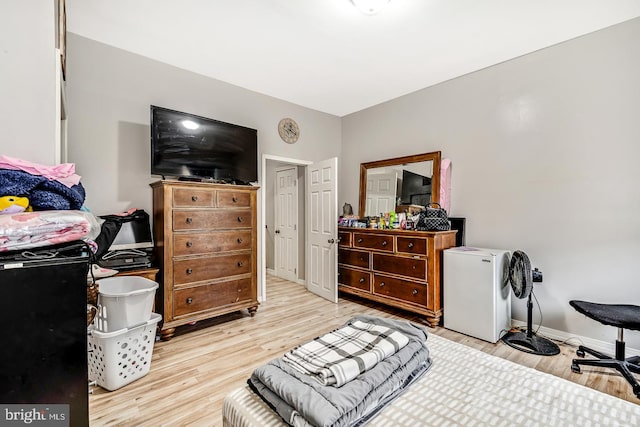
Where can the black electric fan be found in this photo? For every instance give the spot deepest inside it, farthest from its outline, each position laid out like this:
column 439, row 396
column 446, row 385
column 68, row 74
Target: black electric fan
column 522, row 277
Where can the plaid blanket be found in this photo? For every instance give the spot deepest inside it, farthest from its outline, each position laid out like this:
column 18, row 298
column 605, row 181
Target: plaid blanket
column 341, row 355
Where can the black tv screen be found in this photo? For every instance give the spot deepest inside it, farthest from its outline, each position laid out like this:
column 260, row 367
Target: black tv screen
column 416, row 189
column 188, row 146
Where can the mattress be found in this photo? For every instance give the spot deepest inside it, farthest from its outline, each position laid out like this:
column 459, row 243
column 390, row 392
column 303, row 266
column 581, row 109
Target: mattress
column 466, row 387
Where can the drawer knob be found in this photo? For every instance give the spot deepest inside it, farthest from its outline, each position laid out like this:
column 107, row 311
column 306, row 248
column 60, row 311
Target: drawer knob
column 360, row 240
column 240, row 219
column 189, row 271
column 239, row 240
column 385, row 243
column 415, row 292
column 410, row 245
column 234, row 199
column 381, row 284
column 194, row 198
column 189, row 300
column 189, row 244
column 189, row 220
column 362, row 280
column 240, row 263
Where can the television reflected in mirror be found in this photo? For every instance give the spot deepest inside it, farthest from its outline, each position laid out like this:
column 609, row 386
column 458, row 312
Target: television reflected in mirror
column 416, row 189
column 188, row 146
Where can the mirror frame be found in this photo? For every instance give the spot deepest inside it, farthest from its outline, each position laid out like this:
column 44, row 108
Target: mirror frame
column 434, row 156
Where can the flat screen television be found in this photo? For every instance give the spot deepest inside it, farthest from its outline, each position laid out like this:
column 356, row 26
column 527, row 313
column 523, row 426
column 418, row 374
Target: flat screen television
column 416, row 189
column 187, row 146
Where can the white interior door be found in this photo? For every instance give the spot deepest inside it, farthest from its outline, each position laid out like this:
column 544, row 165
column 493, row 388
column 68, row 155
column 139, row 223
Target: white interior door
column 381, row 193
column 286, row 222
column 322, row 226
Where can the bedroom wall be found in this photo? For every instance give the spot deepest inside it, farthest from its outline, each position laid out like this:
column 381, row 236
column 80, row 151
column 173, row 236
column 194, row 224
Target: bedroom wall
column 28, row 113
column 109, row 91
column 545, row 151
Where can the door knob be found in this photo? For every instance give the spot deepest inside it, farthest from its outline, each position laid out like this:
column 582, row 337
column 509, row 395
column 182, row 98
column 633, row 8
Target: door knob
column 277, row 231
column 331, row 241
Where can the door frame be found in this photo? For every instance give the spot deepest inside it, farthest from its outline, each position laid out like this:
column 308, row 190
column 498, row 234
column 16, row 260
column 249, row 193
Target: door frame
column 262, row 260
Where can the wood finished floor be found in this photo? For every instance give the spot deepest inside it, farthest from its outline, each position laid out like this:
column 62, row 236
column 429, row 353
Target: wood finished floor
column 191, row 374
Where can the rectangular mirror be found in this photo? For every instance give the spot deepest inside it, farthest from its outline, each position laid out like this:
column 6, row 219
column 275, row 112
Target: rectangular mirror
column 399, row 184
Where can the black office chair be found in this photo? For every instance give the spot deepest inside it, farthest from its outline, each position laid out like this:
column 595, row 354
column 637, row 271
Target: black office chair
column 622, row 316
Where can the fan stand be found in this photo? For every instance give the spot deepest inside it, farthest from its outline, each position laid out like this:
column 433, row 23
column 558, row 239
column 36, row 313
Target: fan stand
column 528, row 341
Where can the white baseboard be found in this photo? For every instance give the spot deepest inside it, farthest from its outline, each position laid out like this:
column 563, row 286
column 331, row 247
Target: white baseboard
column 271, row 271
column 576, row 340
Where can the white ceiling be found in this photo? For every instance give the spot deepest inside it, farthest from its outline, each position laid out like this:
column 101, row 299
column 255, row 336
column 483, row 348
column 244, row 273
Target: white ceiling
column 325, row 54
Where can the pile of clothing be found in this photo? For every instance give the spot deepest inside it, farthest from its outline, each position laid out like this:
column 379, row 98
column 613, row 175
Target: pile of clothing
column 46, row 187
column 345, row 377
column 40, row 205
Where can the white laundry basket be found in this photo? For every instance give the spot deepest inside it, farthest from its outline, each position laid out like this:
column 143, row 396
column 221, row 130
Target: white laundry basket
column 124, row 302
column 121, row 357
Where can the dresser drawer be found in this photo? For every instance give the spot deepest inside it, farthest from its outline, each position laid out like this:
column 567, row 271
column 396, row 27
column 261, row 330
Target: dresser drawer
column 412, row 245
column 415, row 293
column 211, row 219
column 378, row 242
column 211, row 242
column 400, row 265
column 230, row 199
column 355, row 258
column 199, row 269
column 345, row 238
column 187, row 197
column 354, row 278
column 207, row 297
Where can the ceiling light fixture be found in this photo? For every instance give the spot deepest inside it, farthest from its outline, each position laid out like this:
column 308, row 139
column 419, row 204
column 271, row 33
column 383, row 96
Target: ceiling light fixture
column 370, row 7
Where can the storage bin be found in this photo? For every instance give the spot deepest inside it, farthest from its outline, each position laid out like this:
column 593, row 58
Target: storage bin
column 124, row 302
column 121, row 357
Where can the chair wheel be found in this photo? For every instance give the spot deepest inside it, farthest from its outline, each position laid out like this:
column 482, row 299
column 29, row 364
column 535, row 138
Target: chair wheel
column 575, row 368
column 580, row 353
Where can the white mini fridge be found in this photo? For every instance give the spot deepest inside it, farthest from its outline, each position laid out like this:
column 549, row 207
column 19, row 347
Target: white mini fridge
column 477, row 293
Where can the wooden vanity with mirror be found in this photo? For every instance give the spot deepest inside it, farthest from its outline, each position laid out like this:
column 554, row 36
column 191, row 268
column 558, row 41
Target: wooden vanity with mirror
column 401, row 268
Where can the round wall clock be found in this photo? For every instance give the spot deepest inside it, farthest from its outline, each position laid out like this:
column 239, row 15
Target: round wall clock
column 288, row 130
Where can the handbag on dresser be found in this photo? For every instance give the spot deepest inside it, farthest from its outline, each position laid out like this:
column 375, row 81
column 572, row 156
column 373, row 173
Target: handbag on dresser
column 433, row 218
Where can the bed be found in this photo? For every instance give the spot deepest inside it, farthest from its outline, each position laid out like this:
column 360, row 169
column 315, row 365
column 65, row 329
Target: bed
column 466, row 387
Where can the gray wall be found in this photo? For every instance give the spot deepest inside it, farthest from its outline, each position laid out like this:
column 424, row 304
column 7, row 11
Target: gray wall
column 545, row 151
column 27, row 87
column 109, row 92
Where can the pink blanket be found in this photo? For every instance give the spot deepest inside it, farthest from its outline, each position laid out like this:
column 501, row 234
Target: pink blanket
column 34, row 229
column 63, row 173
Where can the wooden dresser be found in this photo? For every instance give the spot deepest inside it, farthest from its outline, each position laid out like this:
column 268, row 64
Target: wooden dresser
column 395, row 267
column 206, row 247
